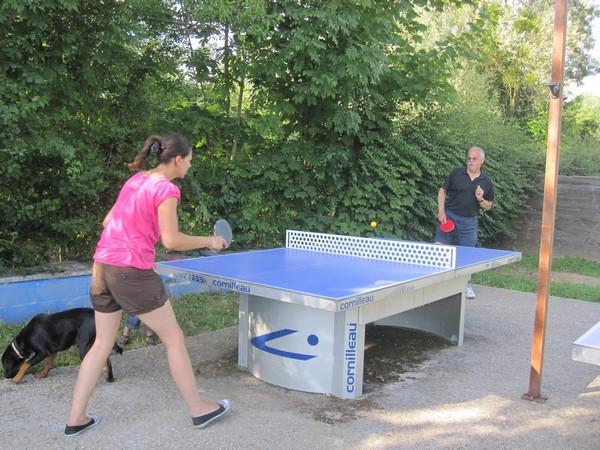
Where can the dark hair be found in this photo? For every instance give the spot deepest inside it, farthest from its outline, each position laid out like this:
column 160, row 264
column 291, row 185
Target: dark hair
column 164, row 147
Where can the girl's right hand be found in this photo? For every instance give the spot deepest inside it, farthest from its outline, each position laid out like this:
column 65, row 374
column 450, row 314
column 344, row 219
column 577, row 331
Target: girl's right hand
column 217, row 243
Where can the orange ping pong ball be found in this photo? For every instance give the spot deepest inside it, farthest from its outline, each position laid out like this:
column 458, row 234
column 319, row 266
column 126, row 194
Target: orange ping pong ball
column 373, row 224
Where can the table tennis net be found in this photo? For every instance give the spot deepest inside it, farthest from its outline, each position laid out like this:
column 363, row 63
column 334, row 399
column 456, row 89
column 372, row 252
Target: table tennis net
column 420, row 253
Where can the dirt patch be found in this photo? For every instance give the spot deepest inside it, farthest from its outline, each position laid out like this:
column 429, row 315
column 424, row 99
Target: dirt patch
column 336, row 410
column 575, row 278
column 225, row 366
column 391, row 352
column 556, row 277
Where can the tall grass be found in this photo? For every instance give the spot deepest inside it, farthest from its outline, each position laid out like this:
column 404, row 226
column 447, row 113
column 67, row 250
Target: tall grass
column 522, row 276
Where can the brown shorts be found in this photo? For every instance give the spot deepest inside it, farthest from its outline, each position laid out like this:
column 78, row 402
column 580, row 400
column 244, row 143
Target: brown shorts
column 136, row 291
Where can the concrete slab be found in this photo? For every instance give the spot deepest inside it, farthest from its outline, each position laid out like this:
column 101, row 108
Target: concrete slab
column 466, row 397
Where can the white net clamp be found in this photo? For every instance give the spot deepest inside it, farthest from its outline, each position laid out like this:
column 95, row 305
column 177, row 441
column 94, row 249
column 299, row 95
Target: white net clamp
column 419, row 253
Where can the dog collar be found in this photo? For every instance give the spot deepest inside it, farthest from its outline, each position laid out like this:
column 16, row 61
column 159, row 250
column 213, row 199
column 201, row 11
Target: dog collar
column 16, row 349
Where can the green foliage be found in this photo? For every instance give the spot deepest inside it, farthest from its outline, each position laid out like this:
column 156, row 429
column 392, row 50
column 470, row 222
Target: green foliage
column 580, row 39
column 77, row 80
column 328, row 77
column 512, row 161
column 514, row 48
column 579, row 156
column 333, row 70
column 313, row 115
column 582, row 117
column 580, row 135
column 580, row 143
column 395, row 184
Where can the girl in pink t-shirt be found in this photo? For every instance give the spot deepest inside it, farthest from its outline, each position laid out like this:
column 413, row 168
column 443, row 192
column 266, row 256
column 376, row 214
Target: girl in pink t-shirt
column 123, row 277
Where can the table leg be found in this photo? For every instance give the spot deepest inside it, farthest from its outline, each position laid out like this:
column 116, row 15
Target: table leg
column 287, row 345
column 244, row 332
column 349, row 346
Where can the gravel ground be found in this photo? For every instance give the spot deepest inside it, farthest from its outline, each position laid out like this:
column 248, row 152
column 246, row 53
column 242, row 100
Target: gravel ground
column 467, row 397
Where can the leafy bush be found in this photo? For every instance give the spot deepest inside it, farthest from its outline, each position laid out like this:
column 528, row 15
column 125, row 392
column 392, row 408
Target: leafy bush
column 580, row 135
column 341, row 123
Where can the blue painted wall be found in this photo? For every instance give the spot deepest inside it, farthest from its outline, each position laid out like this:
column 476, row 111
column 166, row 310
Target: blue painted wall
column 21, row 300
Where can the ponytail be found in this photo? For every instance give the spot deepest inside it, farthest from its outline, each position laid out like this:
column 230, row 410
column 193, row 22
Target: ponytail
column 165, row 148
column 152, row 145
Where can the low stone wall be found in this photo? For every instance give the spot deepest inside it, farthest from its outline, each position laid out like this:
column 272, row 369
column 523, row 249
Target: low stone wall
column 577, row 226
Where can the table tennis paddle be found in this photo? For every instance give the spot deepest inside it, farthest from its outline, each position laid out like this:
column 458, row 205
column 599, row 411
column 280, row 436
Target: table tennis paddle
column 223, row 229
column 447, row 226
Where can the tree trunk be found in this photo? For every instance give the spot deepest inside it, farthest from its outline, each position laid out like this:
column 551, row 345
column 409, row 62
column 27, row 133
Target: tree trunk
column 238, row 119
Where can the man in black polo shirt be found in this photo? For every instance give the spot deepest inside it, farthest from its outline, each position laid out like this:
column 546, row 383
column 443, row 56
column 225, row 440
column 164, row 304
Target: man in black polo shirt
column 463, row 193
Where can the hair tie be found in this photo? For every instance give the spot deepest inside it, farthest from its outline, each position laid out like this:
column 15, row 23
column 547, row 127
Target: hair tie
column 155, row 147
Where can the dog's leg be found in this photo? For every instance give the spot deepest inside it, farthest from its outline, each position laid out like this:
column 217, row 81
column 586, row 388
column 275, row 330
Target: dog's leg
column 109, row 372
column 48, row 364
column 21, row 373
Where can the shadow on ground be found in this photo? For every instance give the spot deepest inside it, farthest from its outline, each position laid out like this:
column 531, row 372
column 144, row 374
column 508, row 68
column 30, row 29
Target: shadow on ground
column 391, row 354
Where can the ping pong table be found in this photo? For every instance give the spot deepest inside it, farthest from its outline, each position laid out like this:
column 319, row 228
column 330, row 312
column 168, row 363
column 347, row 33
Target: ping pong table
column 304, row 307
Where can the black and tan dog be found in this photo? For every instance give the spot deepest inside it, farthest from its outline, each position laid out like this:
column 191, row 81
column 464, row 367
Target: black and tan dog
column 47, row 334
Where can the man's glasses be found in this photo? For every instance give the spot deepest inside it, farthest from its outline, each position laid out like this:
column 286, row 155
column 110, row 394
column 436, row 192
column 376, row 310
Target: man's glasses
column 472, row 158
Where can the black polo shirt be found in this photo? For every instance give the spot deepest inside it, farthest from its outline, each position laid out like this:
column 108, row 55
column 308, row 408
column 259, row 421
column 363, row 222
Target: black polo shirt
column 460, row 191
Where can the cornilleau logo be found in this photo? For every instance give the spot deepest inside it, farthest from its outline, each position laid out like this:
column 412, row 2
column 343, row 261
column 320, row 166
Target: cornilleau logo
column 350, row 357
column 232, row 285
column 260, row 342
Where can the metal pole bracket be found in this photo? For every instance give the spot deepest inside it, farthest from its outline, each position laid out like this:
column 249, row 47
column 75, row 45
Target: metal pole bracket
column 554, row 89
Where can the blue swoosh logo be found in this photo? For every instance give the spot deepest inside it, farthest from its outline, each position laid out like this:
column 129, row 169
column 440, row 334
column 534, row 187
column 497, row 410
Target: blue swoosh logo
column 260, row 342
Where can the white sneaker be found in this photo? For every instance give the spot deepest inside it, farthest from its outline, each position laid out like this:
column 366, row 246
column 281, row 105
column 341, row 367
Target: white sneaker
column 470, row 291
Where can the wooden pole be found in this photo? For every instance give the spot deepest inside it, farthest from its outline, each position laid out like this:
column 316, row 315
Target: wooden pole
column 549, row 209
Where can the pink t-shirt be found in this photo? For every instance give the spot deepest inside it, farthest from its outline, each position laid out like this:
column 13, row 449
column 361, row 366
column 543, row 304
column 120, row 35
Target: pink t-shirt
column 129, row 237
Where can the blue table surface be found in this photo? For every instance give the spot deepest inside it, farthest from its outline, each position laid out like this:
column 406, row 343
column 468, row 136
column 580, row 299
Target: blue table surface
column 321, row 274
